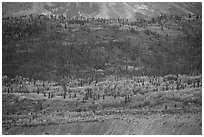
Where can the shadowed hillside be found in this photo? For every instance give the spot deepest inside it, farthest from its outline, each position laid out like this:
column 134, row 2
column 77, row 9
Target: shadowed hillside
column 49, row 47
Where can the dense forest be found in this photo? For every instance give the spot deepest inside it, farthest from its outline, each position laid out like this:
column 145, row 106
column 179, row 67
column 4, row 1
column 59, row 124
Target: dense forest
column 54, row 47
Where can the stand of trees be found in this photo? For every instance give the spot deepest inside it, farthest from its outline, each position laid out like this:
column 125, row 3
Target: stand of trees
column 43, row 56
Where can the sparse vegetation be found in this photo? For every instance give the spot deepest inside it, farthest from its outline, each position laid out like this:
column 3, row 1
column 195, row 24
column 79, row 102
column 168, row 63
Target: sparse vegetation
column 66, row 70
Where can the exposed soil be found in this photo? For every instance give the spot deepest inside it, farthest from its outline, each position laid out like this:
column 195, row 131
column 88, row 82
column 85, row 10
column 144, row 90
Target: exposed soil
column 190, row 124
column 186, row 121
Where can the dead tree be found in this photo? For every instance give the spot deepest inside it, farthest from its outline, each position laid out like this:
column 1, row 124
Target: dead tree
column 103, row 96
column 64, row 95
column 49, row 95
column 98, row 96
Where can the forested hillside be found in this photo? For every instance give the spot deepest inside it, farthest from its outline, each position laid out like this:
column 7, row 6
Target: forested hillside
column 52, row 47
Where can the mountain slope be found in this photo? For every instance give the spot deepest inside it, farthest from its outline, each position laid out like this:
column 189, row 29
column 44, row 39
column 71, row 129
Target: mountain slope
column 129, row 10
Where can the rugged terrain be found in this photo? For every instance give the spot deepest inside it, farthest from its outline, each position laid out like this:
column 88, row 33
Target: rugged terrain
column 102, row 68
column 127, row 10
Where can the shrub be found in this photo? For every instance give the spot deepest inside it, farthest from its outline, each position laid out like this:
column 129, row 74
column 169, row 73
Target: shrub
column 132, row 30
column 84, row 107
column 147, row 31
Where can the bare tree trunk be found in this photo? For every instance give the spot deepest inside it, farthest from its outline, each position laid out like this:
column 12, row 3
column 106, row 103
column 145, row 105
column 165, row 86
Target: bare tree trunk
column 126, row 64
